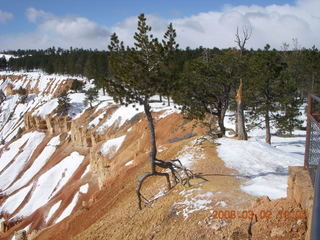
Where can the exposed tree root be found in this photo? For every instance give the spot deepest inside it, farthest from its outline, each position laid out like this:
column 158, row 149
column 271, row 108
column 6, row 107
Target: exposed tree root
column 180, row 174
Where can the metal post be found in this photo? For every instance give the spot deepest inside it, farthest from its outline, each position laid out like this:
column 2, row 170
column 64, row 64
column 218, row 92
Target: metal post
column 315, row 229
column 307, row 146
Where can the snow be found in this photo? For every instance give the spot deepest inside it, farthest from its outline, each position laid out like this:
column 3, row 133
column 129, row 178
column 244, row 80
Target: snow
column 12, row 150
column 68, row 209
column 221, row 203
column 110, row 147
column 190, row 153
column 193, row 202
column 125, row 113
column 38, row 163
column 46, row 108
column 96, row 120
column 51, row 182
column 129, row 163
column 120, row 116
column 7, row 56
column 14, row 201
column 86, row 171
column 264, row 166
column 84, row 188
column 104, row 104
column 52, row 211
column 77, row 107
column 12, row 171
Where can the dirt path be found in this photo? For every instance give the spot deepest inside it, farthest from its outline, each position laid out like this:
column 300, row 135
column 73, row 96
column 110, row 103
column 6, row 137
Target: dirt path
column 181, row 213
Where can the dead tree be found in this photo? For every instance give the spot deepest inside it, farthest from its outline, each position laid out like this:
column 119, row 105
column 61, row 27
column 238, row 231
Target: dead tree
column 241, row 40
column 242, row 134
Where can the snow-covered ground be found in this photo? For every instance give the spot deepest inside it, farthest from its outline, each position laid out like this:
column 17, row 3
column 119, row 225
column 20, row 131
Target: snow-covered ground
column 51, row 182
column 110, row 147
column 264, row 166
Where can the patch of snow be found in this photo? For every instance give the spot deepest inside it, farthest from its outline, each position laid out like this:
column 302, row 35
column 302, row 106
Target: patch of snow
column 119, row 116
column 86, row 171
column 13, row 170
column 84, row 188
column 51, row 182
column 221, row 203
column 193, row 203
column 110, row 147
column 46, row 108
column 129, row 163
column 126, row 113
column 14, row 201
column 68, row 209
column 38, row 163
column 77, row 106
column 265, row 166
column 7, row 56
column 96, row 120
column 53, row 209
column 190, row 153
column 167, row 113
column 158, row 195
column 103, row 104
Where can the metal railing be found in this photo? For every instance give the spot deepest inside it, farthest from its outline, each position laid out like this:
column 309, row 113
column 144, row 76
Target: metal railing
column 312, row 159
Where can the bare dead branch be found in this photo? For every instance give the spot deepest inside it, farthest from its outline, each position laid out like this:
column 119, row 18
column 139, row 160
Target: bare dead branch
column 241, row 39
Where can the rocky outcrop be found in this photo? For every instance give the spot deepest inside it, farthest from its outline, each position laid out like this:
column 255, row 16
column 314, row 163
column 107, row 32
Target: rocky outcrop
column 301, row 191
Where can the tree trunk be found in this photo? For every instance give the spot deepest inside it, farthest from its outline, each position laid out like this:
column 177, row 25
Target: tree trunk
column 268, row 134
column 168, row 100
column 153, row 153
column 240, row 129
column 221, row 114
column 160, row 98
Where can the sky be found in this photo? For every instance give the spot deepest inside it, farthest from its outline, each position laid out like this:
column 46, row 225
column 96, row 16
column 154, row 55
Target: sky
column 39, row 24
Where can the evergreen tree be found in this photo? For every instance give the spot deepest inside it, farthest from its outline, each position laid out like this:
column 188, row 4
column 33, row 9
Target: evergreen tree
column 76, row 85
column 170, row 65
column 91, row 96
column 3, row 63
column 273, row 94
column 206, row 86
column 136, row 76
column 63, row 104
column 23, row 96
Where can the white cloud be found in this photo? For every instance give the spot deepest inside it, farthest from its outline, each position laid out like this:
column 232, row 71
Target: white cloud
column 57, row 31
column 34, row 15
column 273, row 24
column 5, row 16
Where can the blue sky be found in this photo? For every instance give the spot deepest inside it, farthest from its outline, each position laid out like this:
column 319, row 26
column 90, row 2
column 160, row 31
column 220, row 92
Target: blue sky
column 84, row 23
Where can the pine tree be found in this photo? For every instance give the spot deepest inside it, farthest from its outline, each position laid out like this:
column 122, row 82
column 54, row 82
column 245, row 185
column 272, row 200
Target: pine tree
column 23, row 96
column 273, row 94
column 76, row 85
column 63, row 104
column 91, row 96
column 170, row 66
column 206, row 85
column 136, row 76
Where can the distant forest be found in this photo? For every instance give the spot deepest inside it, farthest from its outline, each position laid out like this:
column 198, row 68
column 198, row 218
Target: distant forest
column 303, row 64
column 204, row 81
